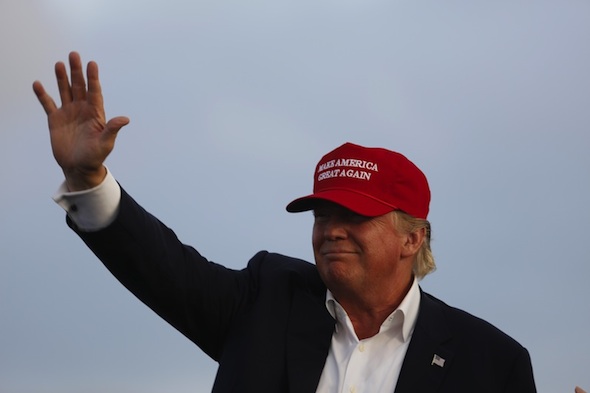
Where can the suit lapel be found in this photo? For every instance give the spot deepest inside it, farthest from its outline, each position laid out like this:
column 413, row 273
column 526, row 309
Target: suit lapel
column 429, row 355
column 309, row 336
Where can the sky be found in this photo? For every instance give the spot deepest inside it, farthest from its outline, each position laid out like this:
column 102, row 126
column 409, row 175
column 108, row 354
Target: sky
column 232, row 104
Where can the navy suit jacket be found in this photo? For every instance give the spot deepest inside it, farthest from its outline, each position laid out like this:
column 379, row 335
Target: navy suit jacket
column 268, row 327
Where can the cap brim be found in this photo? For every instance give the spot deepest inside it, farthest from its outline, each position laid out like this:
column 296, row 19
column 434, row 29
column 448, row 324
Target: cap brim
column 357, row 202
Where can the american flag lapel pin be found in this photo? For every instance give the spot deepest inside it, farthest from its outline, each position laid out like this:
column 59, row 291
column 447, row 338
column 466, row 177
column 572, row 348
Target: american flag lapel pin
column 440, row 362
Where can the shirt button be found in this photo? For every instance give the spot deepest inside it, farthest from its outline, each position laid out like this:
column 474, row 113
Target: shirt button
column 362, row 347
column 352, row 389
column 74, row 208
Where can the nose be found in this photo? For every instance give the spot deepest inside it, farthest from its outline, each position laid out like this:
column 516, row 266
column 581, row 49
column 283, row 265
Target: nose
column 334, row 228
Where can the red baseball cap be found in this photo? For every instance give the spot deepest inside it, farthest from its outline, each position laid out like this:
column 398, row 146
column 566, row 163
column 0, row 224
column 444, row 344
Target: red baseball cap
column 370, row 181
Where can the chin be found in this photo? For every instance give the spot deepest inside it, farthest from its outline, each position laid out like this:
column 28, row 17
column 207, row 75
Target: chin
column 335, row 274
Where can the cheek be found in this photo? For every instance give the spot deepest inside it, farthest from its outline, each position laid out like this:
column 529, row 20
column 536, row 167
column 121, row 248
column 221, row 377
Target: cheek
column 316, row 238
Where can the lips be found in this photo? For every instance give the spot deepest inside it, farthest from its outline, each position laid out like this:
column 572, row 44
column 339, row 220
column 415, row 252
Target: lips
column 335, row 252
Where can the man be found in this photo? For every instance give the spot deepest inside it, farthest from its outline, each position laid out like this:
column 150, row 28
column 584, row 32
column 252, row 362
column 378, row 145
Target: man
column 357, row 321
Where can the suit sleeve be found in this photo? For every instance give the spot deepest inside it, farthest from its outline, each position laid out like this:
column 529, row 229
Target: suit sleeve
column 198, row 297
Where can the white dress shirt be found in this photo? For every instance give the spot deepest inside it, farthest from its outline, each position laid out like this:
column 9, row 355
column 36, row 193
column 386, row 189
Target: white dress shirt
column 371, row 365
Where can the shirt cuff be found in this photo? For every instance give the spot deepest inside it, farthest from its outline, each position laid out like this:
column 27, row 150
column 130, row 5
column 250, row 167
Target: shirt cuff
column 92, row 209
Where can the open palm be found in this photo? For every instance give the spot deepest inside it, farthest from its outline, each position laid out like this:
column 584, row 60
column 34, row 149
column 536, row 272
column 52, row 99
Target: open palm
column 81, row 138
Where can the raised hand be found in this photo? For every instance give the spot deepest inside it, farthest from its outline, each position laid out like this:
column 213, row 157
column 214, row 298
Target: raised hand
column 81, row 138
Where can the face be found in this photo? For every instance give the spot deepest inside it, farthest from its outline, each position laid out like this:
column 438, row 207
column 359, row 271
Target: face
column 358, row 254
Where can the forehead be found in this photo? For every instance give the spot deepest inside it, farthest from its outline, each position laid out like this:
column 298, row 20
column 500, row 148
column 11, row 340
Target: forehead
column 324, row 207
column 328, row 206
column 328, row 213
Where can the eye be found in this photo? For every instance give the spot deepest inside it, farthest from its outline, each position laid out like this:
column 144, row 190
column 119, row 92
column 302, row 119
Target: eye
column 356, row 218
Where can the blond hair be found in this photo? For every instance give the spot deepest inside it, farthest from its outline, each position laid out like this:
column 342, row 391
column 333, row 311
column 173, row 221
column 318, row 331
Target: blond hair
column 423, row 260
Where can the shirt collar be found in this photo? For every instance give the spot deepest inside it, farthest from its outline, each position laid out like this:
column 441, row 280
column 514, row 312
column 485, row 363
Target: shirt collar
column 407, row 311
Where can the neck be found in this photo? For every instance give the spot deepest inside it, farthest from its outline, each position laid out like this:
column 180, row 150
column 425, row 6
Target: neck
column 367, row 311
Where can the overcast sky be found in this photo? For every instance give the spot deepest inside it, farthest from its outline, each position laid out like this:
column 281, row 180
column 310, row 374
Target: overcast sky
column 232, row 103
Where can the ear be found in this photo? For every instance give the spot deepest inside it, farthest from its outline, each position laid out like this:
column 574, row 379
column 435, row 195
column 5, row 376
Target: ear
column 413, row 242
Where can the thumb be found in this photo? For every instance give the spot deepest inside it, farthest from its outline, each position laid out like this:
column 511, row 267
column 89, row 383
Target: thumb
column 115, row 124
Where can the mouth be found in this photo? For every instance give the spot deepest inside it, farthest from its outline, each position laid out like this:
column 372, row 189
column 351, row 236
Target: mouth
column 335, row 252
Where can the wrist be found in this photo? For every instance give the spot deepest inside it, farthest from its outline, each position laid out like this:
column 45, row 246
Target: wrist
column 78, row 180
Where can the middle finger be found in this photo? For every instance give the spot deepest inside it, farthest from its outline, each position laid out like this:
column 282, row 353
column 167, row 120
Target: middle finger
column 78, row 82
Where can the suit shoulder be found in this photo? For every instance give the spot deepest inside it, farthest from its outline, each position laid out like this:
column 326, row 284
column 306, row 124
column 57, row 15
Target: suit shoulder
column 470, row 327
column 277, row 267
column 274, row 263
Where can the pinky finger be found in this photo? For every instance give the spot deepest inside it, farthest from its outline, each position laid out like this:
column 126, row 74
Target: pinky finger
column 45, row 99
